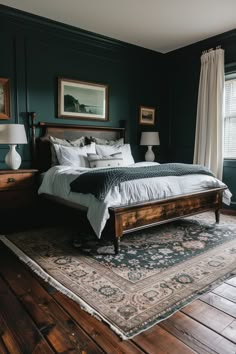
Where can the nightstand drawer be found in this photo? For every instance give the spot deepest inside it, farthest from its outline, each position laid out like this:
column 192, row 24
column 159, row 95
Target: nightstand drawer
column 16, row 181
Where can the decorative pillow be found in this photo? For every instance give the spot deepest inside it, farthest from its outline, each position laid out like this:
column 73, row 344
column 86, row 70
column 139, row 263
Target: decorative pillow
column 74, row 156
column 105, row 150
column 100, row 141
column 64, row 142
column 67, row 142
column 114, row 160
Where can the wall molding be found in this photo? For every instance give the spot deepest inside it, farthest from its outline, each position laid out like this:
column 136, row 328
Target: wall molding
column 71, row 33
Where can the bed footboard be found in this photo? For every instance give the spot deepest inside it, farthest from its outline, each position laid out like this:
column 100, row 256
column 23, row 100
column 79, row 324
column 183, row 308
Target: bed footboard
column 139, row 216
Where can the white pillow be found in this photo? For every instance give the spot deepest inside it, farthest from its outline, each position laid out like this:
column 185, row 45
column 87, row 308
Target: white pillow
column 115, row 160
column 100, row 141
column 73, row 155
column 65, row 142
column 105, row 150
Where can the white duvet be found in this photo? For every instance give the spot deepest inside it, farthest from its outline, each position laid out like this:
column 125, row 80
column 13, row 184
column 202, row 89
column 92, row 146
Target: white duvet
column 56, row 181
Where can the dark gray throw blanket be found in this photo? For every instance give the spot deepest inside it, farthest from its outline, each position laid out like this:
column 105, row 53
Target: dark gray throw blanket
column 99, row 182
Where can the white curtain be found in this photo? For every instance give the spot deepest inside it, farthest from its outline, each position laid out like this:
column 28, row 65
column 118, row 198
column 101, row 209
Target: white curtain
column 208, row 149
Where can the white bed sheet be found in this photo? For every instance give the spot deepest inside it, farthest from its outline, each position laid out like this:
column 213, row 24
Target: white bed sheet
column 56, row 181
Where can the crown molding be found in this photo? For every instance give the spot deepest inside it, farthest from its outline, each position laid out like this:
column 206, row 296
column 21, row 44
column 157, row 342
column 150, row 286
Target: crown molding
column 205, row 44
column 25, row 20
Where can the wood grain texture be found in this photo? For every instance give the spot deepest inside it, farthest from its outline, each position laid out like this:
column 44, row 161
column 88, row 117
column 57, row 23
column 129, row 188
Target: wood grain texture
column 197, row 336
column 231, row 282
column 213, row 318
column 63, row 334
column 226, row 291
column 158, row 341
column 17, row 188
column 220, row 303
column 26, row 336
column 141, row 215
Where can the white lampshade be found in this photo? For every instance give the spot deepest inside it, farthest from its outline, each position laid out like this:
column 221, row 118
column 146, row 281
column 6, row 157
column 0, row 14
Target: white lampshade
column 150, row 138
column 12, row 134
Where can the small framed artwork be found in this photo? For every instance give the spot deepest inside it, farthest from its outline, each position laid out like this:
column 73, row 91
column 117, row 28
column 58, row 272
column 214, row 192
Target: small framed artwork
column 147, row 116
column 4, row 98
column 82, row 100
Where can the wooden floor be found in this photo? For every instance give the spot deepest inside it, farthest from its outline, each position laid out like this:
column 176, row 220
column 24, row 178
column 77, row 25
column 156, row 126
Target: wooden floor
column 35, row 318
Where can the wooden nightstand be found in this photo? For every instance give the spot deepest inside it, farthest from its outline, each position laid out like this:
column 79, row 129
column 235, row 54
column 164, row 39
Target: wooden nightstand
column 17, row 188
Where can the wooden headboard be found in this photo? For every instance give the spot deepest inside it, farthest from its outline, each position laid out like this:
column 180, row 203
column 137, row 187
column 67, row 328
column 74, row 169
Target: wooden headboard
column 41, row 149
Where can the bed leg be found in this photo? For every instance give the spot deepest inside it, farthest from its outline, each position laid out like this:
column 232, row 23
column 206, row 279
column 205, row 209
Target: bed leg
column 217, row 214
column 117, row 245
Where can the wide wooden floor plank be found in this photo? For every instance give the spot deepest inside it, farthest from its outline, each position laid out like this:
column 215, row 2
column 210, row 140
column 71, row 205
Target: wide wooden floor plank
column 63, row 334
column 231, row 281
column 230, row 331
column 26, row 334
column 156, row 340
column 220, row 303
column 98, row 330
column 214, row 319
column 198, row 337
column 227, row 291
column 8, row 341
column 3, row 349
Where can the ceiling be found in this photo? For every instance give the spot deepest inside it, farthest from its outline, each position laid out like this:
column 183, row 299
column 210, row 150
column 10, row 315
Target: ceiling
column 160, row 25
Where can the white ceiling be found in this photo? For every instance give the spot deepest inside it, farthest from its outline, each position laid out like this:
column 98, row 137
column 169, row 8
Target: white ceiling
column 160, row 25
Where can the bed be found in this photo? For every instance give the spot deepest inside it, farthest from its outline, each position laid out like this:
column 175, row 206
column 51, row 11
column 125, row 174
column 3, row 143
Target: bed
column 122, row 219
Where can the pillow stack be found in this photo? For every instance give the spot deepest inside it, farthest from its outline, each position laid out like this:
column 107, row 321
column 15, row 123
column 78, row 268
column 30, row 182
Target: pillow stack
column 96, row 154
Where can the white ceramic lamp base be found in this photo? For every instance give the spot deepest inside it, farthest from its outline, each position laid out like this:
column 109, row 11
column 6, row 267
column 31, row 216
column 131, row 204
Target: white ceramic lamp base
column 13, row 159
column 149, row 156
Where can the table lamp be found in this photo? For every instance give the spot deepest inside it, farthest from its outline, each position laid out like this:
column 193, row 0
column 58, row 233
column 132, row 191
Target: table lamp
column 12, row 134
column 150, row 139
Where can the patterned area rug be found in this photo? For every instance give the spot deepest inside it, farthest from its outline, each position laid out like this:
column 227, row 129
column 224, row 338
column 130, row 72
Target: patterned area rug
column 157, row 272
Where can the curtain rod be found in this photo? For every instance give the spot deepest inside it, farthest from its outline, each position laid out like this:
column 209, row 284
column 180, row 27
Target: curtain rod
column 209, row 50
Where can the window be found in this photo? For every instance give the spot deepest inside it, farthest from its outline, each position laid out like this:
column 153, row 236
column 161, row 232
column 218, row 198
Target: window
column 230, row 120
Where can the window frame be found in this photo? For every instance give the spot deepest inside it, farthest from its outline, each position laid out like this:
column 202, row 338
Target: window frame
column 228, row 77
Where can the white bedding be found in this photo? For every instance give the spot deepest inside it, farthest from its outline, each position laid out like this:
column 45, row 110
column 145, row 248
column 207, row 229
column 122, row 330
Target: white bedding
column 56, row 181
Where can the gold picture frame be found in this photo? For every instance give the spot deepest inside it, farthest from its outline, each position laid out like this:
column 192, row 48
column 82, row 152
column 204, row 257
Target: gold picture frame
column 146, row 115
column 4, row 98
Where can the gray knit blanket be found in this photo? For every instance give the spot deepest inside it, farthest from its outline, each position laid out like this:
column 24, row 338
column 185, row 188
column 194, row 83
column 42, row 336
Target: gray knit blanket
column 99, row 181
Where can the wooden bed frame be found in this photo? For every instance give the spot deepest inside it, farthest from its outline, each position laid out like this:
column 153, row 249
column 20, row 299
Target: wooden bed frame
column 123, row 219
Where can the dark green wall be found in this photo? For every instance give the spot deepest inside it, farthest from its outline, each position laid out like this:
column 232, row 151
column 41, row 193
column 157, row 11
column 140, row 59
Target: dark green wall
column 37, row 51
column 182, row 69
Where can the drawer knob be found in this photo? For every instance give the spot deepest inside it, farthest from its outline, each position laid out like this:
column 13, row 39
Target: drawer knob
column 11, row 180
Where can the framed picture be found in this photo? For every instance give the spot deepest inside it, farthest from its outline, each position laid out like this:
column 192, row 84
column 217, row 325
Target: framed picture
column 4, row 98
column 147, row 115
column 82, row 100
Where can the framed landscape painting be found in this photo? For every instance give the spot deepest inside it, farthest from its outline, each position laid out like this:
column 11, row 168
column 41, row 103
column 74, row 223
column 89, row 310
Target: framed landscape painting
column 82, row 100
column 4, row 98
column 147, row 115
